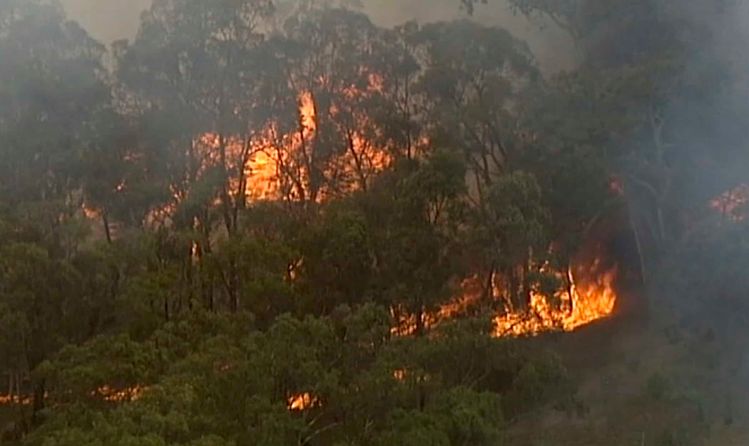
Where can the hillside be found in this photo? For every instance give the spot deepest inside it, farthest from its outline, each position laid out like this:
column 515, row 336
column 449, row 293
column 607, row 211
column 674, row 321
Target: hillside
column 304, row 222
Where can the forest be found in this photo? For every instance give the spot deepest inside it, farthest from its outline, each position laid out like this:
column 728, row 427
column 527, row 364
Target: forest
column 278, row 223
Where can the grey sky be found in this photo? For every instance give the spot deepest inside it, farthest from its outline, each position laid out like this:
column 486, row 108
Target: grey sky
column 109, row 20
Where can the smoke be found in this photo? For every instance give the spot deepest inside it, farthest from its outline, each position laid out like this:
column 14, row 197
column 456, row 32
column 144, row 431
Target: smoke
column 552, row 46
column 107, row 20
column 110, row 20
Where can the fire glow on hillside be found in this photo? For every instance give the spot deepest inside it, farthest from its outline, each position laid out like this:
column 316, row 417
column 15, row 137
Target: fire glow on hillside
column 580, row 305
column 279, row 164
column 590, row 296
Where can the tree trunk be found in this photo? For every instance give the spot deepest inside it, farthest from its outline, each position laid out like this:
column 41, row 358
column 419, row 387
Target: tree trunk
column 639, row 246
column 570, row 280
column 107, row 228
column 40, row 390
column 514, row 288
column 419, row 329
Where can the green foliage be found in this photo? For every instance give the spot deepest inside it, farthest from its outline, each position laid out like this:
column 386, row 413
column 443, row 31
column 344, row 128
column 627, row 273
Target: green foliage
column 233, row 385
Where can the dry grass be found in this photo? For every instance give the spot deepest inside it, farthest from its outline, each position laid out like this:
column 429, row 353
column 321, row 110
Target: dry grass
column 637, row 387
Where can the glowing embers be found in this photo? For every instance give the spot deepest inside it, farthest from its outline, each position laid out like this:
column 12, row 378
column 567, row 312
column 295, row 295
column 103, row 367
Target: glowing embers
column 114, row 395
column 302, row 401
column 8, row 400
column 732, row 203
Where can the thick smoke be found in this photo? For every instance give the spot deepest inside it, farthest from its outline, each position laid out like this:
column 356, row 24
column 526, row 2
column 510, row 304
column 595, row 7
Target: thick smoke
column 552, row 46
column 107, row 20
column 110, row 20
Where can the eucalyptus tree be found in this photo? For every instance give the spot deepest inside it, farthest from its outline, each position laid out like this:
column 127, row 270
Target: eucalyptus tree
column 193, row 78
column 53, row 89
column 473, row 81
column 335, row 62
column 52, row 86
column 650, row 71
column 343, row 379
column 193, row 74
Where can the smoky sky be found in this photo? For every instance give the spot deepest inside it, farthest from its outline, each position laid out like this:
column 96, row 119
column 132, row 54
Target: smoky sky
column 107, row 20
column 110, row 20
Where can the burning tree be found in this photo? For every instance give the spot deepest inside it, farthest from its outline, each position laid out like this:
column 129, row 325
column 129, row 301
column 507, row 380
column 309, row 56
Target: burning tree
column 312, row 111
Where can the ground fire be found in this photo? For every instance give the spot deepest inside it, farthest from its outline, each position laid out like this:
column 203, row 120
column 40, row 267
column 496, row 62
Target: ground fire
column 583, row 303
column 590, row 296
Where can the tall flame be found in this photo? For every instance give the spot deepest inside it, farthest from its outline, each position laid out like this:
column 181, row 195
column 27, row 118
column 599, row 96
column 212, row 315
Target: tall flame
column 278, row 164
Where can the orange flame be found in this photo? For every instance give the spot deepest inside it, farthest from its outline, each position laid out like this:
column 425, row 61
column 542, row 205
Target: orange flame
column 302, row 401
column 7, row 400
column 277, row 165
column 114, row 395
column 273, row 162
column 583, row 303
column 580, row 306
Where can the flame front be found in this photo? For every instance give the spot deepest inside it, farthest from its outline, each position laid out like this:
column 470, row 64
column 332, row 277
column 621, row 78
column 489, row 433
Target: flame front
column 581, row 303
column 579, row 306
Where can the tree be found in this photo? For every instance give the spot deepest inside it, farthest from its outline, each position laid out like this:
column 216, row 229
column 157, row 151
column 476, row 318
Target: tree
column 516, row 223
column 473, row 79
column 52, row 89
column 36, row 290
column 334, row 66
column 339, row 379
column 414, row 212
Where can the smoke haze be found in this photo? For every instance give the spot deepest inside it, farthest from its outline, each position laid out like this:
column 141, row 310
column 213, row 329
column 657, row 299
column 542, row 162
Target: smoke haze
column 338, row 220
column 107, row 20
column 110, row 20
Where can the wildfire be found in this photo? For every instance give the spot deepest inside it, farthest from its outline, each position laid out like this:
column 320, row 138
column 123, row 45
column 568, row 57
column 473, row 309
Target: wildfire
column 90, row 212
column 114, row 395
column 277, row 161
column 302, row 401
column 6, row 400
column 283, row 165
column 581, row 305
column 280, row 164
column 106, row 393
column 284, row 160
